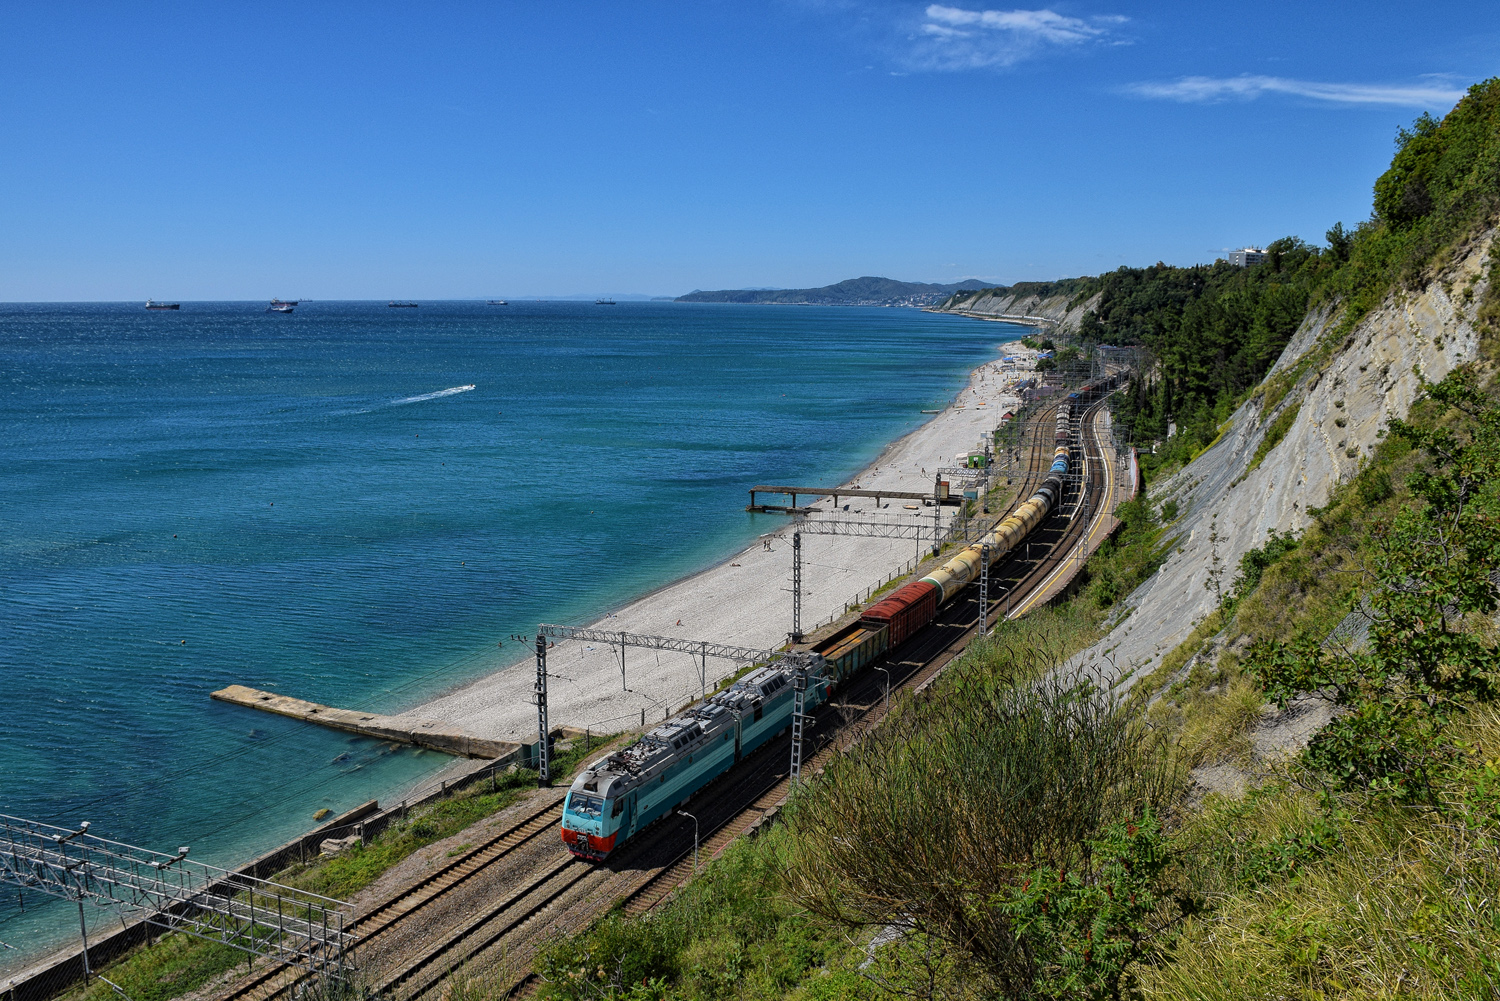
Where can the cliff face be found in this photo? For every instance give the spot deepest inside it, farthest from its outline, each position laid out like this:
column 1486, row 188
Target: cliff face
column 1360, row 382
column 1004, row 304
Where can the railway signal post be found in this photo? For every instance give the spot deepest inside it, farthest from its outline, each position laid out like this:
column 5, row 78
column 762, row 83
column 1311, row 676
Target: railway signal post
column 543, row 752
column 796, row 587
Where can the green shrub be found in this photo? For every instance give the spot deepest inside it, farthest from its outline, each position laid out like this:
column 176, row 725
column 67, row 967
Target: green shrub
column 951, row 818
column 1431, row 570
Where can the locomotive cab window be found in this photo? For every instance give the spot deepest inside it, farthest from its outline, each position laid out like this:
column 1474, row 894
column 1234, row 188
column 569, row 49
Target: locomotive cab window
column 618, row 808
column 586, row 806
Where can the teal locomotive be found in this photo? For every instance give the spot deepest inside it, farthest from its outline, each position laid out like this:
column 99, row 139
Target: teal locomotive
column 619, row 795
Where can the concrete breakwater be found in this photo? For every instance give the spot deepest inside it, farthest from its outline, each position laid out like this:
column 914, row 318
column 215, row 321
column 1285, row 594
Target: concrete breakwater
column 432, row 734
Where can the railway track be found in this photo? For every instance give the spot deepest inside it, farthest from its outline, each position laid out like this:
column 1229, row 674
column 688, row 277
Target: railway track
column 929, row 663
column 429, row 968
column 563, row 895
column 371, row 925
column 1086, row 501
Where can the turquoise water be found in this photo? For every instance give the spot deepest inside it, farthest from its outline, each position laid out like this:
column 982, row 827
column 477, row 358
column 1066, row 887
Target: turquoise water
column 354, row 504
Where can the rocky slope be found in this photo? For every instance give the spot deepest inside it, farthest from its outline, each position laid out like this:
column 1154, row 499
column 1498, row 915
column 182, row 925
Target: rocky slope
column 1058, row 312
column 1341, row 399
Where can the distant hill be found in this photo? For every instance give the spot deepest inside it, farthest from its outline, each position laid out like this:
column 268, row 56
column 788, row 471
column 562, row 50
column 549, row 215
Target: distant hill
column 853, row 292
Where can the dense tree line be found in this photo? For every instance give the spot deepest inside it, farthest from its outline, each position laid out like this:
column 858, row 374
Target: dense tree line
column 1213, row 331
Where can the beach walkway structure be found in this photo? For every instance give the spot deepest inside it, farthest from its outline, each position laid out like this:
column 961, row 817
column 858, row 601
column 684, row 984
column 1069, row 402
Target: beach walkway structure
column 433, row 734
column 836, row 493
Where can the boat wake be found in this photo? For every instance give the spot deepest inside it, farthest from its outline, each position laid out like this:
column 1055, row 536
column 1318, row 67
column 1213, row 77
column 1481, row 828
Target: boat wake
column 430, row 396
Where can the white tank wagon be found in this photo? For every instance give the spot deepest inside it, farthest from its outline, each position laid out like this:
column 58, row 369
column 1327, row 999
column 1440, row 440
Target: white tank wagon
column 963, row 568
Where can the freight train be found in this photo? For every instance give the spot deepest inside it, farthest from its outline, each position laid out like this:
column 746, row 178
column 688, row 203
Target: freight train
column 618, row 796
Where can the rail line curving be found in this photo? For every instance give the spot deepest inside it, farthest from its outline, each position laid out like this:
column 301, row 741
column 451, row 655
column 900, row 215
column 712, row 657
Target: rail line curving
column 385, row 915
column 563, row 894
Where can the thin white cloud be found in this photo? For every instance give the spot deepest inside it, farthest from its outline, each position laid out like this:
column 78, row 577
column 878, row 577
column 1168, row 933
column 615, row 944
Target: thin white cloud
column 955, row 38
column 1208, row 90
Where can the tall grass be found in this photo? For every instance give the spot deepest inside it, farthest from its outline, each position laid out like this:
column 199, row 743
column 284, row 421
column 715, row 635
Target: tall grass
column 730, row 933
column 1385, row 904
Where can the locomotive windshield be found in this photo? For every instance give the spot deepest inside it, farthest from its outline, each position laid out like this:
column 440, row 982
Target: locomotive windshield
column 585, row 806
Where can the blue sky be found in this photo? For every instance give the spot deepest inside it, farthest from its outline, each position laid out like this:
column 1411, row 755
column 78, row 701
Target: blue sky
column 206, row 151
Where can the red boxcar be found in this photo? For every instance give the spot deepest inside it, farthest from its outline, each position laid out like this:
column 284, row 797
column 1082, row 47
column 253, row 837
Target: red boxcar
column 908, row 609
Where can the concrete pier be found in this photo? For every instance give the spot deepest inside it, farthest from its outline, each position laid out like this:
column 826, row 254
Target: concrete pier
column 424, row 733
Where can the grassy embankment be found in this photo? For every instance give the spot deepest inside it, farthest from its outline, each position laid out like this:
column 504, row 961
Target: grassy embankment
column 177, row 964
column 990, row 840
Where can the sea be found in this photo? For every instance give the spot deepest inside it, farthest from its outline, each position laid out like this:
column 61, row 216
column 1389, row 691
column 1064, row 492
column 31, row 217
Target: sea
column 357, row 505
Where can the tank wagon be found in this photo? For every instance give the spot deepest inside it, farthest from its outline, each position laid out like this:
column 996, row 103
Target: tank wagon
column 621, row 794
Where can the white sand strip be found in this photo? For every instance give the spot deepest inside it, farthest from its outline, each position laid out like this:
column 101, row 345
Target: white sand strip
column 745, row 600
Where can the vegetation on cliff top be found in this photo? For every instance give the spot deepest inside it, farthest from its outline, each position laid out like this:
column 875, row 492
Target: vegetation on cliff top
column 1213, row 331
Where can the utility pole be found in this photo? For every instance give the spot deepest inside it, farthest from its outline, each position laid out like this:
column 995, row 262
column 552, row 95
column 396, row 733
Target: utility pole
column 83, row 933
column 796, row 587
column 543, row 752
column 937, row 512
column 684, row 813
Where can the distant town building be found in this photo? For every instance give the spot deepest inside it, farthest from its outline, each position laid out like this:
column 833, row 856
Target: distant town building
column 1247, row 258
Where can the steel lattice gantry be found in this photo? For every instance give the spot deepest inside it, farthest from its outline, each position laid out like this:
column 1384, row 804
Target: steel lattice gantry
column 869, row 529
column 253, row 915
column 702, row 649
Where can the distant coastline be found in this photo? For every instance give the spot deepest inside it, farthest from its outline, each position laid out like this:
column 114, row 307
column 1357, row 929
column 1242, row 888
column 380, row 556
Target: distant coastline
column 867, row 291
